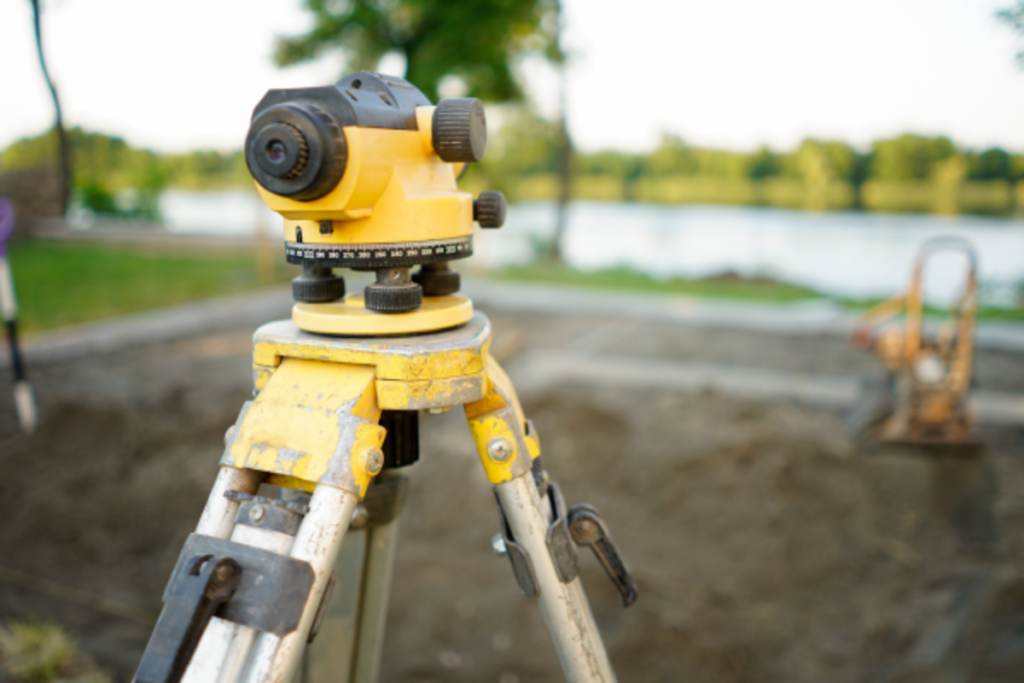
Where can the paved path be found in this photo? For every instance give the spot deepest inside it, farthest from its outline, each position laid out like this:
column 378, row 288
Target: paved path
column 814, row 317
column 537, row 369
column 538, row 366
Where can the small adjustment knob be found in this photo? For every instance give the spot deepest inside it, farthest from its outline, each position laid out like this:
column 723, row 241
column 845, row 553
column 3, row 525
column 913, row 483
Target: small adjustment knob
column 459, row 129
column 317, row 286
column 437, row 279
column 394, row 298
column 489, row 209
column 393, row 292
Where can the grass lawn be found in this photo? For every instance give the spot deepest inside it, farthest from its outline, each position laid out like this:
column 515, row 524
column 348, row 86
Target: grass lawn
column 64, row 283
column 723, row 286
column 719, row 286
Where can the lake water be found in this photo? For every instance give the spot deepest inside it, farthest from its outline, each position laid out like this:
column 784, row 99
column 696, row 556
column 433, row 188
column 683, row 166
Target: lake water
column 846, row 254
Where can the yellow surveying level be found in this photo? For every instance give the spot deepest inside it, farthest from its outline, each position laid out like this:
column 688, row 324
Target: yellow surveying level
column 364, row 173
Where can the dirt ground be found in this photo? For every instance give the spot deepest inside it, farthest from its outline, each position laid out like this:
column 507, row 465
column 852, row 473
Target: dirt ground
column 766, row 546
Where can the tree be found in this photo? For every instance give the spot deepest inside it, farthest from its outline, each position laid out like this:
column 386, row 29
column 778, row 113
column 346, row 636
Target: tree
column 1014, row 17
column 908, row 157
column 62, row 138
column 476, row 41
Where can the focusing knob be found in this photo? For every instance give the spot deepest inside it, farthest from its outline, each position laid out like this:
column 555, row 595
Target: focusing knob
column 459, row 129
column 489, row 209
column 296, row 150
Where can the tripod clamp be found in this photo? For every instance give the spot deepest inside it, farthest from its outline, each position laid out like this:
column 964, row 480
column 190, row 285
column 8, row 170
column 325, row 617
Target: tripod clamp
column 582, row 525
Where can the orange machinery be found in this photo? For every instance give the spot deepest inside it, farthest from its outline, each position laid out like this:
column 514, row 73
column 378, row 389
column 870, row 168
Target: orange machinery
column 921, row 398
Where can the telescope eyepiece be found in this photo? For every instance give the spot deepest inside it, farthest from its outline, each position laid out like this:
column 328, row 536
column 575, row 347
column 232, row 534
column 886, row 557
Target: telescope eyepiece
column 296, row 150
column 281, row 150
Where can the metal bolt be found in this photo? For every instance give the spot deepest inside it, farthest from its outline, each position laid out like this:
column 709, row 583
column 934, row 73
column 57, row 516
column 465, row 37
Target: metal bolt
column 498, row 543
column 360, row 517
column 257, row 513
column 224, row 572
column 374, row 461
column 500, row 449
column 585, row 526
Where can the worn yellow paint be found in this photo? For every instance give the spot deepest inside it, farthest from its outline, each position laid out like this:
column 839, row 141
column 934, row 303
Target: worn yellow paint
column 503, row 385
column 484, row 430
column 294, row 426
column 532, row 442
column 429, row 393
column 369, row 437
column 390, row 366
column 487, row 423
column 261, row 375
column 288, row 482
column 351, row 317
column 394, row 190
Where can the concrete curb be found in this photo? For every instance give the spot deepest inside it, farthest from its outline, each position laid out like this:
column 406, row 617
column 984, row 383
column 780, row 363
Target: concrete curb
column 253, row 309
column 187, row 320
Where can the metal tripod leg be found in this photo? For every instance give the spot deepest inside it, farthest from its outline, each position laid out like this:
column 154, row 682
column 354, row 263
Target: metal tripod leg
column 348, row 646
column 507, row 446
column 564, row 606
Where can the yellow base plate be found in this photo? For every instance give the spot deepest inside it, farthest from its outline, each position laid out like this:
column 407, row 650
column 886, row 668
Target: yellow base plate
column 351, row 317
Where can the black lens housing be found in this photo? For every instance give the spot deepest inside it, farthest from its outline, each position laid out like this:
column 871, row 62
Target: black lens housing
column 296, row 150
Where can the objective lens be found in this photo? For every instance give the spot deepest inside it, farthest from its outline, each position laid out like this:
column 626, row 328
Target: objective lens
column 276, row 150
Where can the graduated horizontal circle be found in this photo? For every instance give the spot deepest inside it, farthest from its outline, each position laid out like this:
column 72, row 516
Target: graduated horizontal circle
column 385, row 255
column 351, row 317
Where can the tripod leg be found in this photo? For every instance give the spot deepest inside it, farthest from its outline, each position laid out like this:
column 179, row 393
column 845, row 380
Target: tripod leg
column 348, row 646
column 507, row 446
column 313, row 426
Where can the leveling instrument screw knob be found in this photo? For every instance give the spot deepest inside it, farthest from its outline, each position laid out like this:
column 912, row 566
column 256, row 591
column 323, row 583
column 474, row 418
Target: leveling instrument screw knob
column 489, row 209
column 458, row 129
column 500, row 450
column 317, row 285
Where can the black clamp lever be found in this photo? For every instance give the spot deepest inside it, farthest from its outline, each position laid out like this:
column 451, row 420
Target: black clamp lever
column 587, row 528
column 189, row 605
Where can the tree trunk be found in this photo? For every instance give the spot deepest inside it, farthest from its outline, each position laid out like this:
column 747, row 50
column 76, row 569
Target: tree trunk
column 565, row 150
column 62, row 137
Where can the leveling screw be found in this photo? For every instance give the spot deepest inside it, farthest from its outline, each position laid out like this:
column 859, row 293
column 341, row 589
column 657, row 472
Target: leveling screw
column 500, row 449
column 224, row 572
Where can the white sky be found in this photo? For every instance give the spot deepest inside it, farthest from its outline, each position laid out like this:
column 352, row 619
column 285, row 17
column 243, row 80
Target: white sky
column 185, row 74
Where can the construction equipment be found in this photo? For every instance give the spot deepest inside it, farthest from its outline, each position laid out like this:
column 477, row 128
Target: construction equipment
column 364, row 173
column 24, row 398
column 920, row 397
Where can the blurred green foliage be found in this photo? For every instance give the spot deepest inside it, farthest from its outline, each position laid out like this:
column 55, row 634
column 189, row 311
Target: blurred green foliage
column 904, row 173
column 112, row 177
column 1014, row 18
column 64, row 283
column 40, row 652
column 475, row 41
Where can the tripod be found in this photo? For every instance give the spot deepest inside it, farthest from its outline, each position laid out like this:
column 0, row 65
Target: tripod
column 339, row 388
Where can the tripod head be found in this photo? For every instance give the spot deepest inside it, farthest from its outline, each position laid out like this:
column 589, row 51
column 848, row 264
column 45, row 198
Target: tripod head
column 364, row 173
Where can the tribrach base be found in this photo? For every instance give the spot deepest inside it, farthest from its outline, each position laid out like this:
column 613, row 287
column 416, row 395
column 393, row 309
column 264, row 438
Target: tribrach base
column 351, row 317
